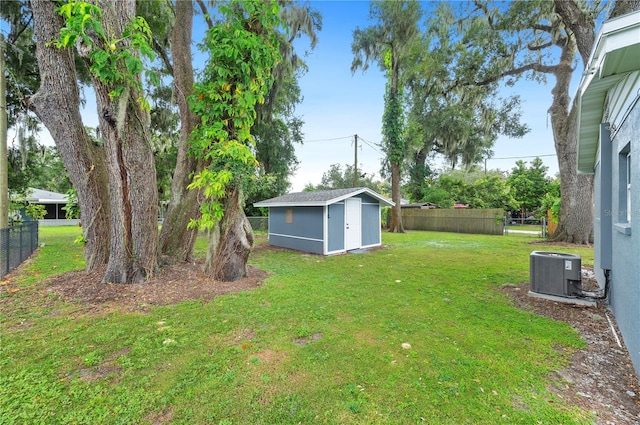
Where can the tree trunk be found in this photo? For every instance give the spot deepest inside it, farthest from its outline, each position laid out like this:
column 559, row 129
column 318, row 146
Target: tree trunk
column 57, row 105
column 230, row 252
column 575, row 224
column 576, row 212
column 396, row 210
column 131, row 168
column 622, row 7
column 176, row 240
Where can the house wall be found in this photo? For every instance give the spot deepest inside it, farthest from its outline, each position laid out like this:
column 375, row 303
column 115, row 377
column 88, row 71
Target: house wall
column 335, row 225
column 603, row 209
column 370, row 220
column 625, row 274
column 370, row 224
column 304, row 233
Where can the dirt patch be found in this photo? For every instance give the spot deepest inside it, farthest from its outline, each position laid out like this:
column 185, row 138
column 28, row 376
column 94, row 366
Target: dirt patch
column 600, row 378
column 308, row 339
column 174, row 284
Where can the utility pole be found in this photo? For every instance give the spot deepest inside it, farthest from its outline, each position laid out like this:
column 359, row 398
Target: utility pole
column 355, row 162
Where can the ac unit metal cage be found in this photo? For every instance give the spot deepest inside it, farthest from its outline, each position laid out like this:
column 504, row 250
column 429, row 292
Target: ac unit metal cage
column 555, row 273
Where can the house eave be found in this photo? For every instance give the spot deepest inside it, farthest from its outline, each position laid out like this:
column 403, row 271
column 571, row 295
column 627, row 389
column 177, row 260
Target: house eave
column 616, row 54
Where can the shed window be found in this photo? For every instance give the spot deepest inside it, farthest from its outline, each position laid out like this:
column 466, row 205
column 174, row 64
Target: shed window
column 288, row 216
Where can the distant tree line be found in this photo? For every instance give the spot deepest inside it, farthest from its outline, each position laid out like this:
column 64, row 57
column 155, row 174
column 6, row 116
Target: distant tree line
column 525, row 191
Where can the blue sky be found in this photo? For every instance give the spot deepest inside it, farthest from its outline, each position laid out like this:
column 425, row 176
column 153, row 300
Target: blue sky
column 338, row 104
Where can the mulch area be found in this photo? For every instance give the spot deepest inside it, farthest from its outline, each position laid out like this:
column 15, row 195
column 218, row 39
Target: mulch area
column 174, row 284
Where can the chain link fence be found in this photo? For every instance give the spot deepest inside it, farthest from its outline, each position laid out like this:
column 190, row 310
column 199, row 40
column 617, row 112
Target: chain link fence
column 259, row 223
column 17, row 243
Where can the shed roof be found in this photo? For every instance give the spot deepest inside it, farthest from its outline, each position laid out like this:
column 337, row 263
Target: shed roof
column 320, row 198
column 616, row 53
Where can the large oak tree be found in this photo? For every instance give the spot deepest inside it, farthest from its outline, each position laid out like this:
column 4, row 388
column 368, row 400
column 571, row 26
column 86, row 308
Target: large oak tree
column 540, row 40
column 118, row 179
column 57, row 105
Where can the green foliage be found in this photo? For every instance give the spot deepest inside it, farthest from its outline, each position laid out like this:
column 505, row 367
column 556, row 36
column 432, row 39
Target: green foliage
column 47, row 170
column 114, row 61
column 243, row 51
column 529, row 185
column 552, row 201
column 21, row 67
column 277, row 128
column 337, row 178
column 71, row 208
column 494, row 192
column 234, row 360
column 35, row 211
column 473, row 189
column 447, row 113
column 393, row 126
column 31, row 165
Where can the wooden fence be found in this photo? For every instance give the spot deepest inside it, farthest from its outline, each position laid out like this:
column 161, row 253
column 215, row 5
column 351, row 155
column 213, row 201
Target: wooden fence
column 477, row 221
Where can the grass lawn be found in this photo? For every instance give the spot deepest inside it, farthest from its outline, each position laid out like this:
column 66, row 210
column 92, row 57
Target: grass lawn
column 530, row 227
column 320, row 342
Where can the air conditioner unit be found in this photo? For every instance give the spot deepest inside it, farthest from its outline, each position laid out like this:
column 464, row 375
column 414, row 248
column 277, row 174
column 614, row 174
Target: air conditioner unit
column 555, row 273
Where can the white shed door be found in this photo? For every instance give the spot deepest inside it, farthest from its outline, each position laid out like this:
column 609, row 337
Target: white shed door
column 353, row 224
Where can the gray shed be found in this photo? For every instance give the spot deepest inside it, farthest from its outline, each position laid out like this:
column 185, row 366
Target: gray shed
column 327, row 221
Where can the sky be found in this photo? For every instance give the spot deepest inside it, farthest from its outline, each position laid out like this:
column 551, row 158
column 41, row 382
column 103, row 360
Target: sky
column 338, row 105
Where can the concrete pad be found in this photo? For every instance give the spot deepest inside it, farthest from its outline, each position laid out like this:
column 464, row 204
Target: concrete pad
column 566, row 300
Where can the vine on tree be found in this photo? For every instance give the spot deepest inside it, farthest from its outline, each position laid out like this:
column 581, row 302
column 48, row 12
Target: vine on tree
column 114, row 61
column 244, row 49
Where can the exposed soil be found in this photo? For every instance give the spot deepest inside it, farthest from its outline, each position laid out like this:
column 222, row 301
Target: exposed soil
column 599, row 378
column 176, row 283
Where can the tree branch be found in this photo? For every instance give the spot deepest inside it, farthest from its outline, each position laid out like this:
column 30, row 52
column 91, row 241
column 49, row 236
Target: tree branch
column 163, row 55
column 543, row 28
column 539, row 47
column 485, row 10
column 580, row 23
column 560, row 42
column 537, row 67
column 205, row 13
column 18, row 33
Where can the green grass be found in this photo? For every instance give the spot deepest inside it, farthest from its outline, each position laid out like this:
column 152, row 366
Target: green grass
column 60, row 254
column 320, row 341
column 530, row 227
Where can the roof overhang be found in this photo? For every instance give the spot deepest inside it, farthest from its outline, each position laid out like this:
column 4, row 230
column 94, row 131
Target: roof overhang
column 39, row 196
column 383, row 201
column 616, row 53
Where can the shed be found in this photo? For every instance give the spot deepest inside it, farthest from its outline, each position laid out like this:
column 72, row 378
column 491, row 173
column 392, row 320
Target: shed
column 326, row 221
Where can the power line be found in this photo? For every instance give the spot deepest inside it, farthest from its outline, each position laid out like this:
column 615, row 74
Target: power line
column 523, row 157
column 371, row 145
column 327, row 140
